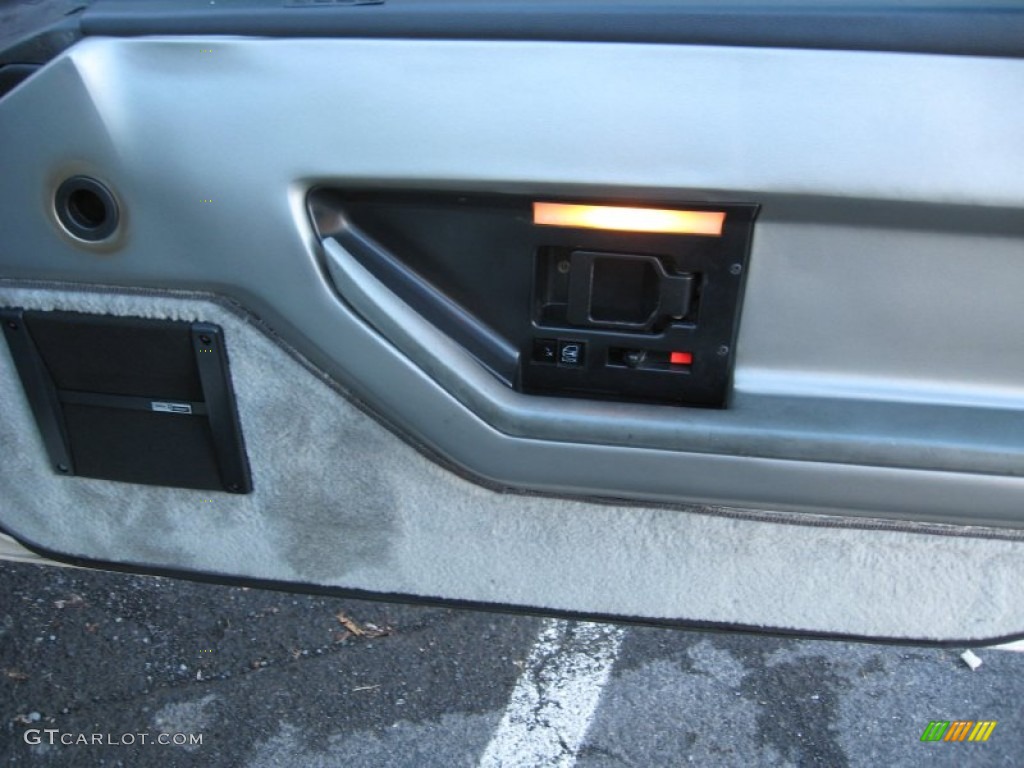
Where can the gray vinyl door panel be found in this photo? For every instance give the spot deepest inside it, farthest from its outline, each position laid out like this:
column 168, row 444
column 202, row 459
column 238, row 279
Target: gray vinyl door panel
column 868, row 461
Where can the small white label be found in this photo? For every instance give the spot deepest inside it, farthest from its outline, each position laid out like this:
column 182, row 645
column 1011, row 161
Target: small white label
column 171, row 407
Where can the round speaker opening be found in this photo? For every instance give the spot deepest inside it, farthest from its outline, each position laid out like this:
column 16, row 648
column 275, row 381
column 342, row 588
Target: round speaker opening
column 86, row 208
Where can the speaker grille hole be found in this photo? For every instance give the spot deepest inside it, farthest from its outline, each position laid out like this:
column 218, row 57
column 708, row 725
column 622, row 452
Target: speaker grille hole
column 86, row 208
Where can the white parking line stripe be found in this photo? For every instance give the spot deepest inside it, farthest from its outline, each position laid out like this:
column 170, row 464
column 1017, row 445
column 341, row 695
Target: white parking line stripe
column 556, row 696
column 1016, row 645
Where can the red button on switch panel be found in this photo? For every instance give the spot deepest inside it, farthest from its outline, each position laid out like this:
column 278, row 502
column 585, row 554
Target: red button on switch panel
column 681, row 358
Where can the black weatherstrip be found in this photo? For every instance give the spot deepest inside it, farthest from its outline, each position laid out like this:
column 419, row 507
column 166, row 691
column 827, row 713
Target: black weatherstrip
column 983, row 29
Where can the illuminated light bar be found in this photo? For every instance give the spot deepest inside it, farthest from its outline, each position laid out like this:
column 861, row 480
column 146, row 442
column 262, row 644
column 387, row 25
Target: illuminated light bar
column 657, row 220
column 681, row 358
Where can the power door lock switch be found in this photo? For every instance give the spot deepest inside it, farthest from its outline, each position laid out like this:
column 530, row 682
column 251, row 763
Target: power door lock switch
column 649, row 359
column 627, row 292
column 634, row 357
column 545, row 350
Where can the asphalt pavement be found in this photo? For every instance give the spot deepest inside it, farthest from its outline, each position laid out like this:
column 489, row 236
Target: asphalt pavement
column 113, row 669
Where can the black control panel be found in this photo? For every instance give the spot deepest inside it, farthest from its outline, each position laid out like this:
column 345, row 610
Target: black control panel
column 624, row 300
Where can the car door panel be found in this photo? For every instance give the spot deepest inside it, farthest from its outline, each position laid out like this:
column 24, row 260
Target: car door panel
column 865, row 466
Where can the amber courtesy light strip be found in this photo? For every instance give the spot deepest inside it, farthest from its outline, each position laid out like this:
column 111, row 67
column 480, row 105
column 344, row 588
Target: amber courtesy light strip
column 657, row 220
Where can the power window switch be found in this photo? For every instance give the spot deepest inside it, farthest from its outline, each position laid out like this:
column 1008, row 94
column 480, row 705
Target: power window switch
column 571, row 353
